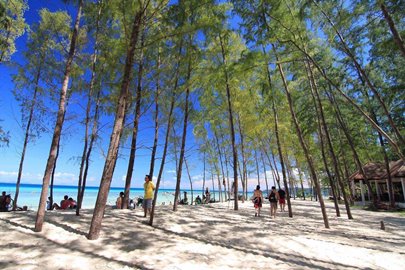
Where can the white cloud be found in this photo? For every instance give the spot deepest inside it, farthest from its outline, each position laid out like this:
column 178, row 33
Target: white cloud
column 3, row 173
column 197, row 177
column 64, row 175
column 11, row 177
column 171, row 171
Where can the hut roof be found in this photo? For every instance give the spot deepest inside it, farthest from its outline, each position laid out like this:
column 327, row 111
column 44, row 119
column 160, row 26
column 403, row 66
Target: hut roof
column 397, row 168
column 377, row 171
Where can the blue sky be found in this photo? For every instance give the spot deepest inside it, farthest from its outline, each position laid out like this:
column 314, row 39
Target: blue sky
column 71, row 144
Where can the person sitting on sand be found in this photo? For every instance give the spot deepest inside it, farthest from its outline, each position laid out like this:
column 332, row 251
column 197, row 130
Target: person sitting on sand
column 273, row 198
column 131, row 204
column 48, row 204
column 198, row 200
column 257, row 200
column 73, row 203
column 185, row 199
column 64, row 204
column 120, row 200
column 139, row 201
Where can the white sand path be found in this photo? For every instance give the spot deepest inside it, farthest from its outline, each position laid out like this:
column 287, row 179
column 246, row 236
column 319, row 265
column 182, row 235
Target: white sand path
column 205, row 237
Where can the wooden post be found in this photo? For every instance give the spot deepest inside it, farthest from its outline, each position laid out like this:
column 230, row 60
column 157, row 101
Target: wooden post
column 377, row 190
column 362, row 193
column 388, row 188
column 403, row 188
column 369, row 192
column 353, row 186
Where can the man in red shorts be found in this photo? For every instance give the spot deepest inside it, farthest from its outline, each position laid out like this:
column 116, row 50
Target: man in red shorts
column 281, row 200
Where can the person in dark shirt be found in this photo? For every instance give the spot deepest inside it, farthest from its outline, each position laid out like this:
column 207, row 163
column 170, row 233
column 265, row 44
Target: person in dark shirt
column 273, row 198
column 281, row 194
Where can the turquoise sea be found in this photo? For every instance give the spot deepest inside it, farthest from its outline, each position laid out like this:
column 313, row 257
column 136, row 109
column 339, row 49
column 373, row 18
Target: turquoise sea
column 30, row 193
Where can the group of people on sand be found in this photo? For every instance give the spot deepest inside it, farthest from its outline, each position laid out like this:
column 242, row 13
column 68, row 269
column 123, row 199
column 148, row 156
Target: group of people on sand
column 274, row 197
column 6, row 203
column 66, row 203
column 119, row 203
column 146, row 201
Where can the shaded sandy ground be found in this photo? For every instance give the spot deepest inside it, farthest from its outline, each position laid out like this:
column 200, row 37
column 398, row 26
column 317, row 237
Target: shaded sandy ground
column 205, row 237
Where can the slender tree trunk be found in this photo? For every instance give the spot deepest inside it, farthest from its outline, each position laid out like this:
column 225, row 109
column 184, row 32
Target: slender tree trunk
column 273, row 158
column 244, row 162
column 191, row 182
column 257, row 168
column 93, row 137
column 219, row 182
column 58, row 126
column 384, row 152
column 290, row 177
column 287, row 193
column 234, row 149
column 156, row 135
column 132, row 155
column 265, row 173
column 27, row 133
column 220, row 161
column 344, row 175
column 88, row 108
column 168, row 128
column 275, row 176
column 397, row 37
column 280, row 152
column 183, row 140
column 304, row 146
column 227, row 176
column 162, row 164
column 203, row 186
column 112, row 155
column 330, row 145
column 213, row 183
column 322, row 135
column 387, row 168
column 351, row 143
column 300, row 176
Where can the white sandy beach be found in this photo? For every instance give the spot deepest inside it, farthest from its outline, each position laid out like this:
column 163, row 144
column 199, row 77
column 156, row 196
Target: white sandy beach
column 205, row 237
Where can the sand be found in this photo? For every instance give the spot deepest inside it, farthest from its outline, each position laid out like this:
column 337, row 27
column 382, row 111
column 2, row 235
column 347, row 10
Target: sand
column 205, row 237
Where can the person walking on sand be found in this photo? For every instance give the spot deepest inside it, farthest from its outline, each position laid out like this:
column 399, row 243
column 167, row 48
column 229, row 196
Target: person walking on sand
column 281, row 194
column 149, row 187
column 273, row 198
column 257, row 200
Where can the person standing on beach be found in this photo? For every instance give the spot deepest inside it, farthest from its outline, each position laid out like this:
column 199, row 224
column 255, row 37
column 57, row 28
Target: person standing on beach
column 281, row 194
column 257, row 200
column 149, row 187
column 273, row 198
column 207, row 196
column 119, row 201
